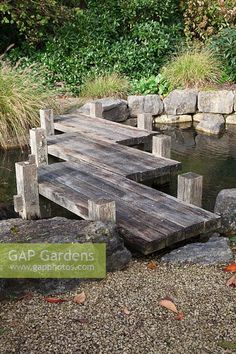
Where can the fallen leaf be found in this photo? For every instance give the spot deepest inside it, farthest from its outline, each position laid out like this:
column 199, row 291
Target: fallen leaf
column 126, row 311
column 232, row 281
column 27, row 296
column 169, row 305
column 152, row 265
column 180, row 316
column 80, row 298
column 54, row 300
column 3, row 330
column 81, row 320
column 230, row 268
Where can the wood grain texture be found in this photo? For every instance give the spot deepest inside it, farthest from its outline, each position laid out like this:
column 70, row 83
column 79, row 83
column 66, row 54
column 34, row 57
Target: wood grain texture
column 47, row 121
column 149, row 220
column 132, row 163
column 190, row 188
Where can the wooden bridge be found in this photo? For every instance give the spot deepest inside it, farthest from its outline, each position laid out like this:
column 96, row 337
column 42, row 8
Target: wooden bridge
column 98, row 180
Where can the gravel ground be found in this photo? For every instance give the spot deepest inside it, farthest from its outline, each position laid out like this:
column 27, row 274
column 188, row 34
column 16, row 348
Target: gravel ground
column 100, row 325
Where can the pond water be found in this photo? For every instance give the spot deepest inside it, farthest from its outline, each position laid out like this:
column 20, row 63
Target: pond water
column 212, row 157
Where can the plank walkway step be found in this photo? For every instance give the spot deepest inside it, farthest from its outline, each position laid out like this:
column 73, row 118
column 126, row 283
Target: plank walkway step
column 131, row 163
column 102, row 129
column 149, row 220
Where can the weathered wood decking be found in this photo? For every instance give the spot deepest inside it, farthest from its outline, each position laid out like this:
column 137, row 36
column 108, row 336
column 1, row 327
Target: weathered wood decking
column 149, row 220
column 99, row 166
column 132, row 163
column 102, row 129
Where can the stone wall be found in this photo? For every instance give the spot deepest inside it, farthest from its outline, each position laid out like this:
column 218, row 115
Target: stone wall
column 210, row 109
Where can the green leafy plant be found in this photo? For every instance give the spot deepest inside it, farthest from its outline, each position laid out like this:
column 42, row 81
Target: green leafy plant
column 204, row 18
column 152, row 85
column 109, row 85
column 193, row 68
column 133, row 39
column 22, row 94
column 224, row 48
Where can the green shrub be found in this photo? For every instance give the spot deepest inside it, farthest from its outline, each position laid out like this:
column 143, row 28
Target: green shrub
column 109, row 85
column 132, row 38
column 21, row 97
column 204, row 18
column 152, row 85
column 193, row 69
column 224, row 47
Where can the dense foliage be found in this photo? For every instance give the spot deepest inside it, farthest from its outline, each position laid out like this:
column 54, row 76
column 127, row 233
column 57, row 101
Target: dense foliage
column 224, row 47
column 204, row 18
column 133, row 38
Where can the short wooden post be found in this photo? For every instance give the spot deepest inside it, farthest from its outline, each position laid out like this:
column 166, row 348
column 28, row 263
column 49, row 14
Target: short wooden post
column 38, row 144
column 145, row 121
column 46, row 121
column 102, row 210
column 161, row 146
column 96, row 109
column 190, row 188
column 26, row 202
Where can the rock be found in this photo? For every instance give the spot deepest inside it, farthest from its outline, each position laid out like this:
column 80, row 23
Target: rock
column 226, row 207
column 231, row 119
column 211, row 124
column 215, row 251
column 85, row 109
column 131, row 122
column 171, row 119
column 145, row 104
column 216, row 101
column 62, row 230
column 198, row 117
column 181, row 102
column 113, row 109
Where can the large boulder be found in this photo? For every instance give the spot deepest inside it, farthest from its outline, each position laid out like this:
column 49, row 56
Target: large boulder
column 112, row 109
column 226, row 207
column 62, row 230
column 216, row 101
column 145, row 104
column 211, row 124
column 215, row 251
column 181, row 102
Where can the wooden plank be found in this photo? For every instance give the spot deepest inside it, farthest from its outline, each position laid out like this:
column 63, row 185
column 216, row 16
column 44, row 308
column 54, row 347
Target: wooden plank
column 132, row 163
column 118, row 186
column 101, row 128
column 190, row 188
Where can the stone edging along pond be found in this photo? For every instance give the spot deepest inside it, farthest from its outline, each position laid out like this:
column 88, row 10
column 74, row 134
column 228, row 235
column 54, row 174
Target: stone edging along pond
column 210, row 109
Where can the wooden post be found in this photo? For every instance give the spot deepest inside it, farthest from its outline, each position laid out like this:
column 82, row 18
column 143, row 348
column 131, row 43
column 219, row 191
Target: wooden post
column 102, row 210
column 46, row 121
column 96, row 109
column 190, row 188
column 26, row 202
column 161, row 146
column 38, row 144
column 145, row 121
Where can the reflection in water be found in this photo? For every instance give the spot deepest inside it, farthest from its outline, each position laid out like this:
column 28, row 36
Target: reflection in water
column 211, row 156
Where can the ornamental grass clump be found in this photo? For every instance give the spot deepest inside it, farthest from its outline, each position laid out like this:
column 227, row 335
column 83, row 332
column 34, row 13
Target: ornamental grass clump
column 108, row 85
column 22, row 94
column 193, row 69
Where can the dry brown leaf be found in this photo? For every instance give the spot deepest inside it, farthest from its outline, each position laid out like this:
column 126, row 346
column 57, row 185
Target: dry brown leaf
column 80, row 298
column 169, row 305
column 232, row 281
column 180, row 316
column 230, row 268
column 152, row 265
column 126, row 311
